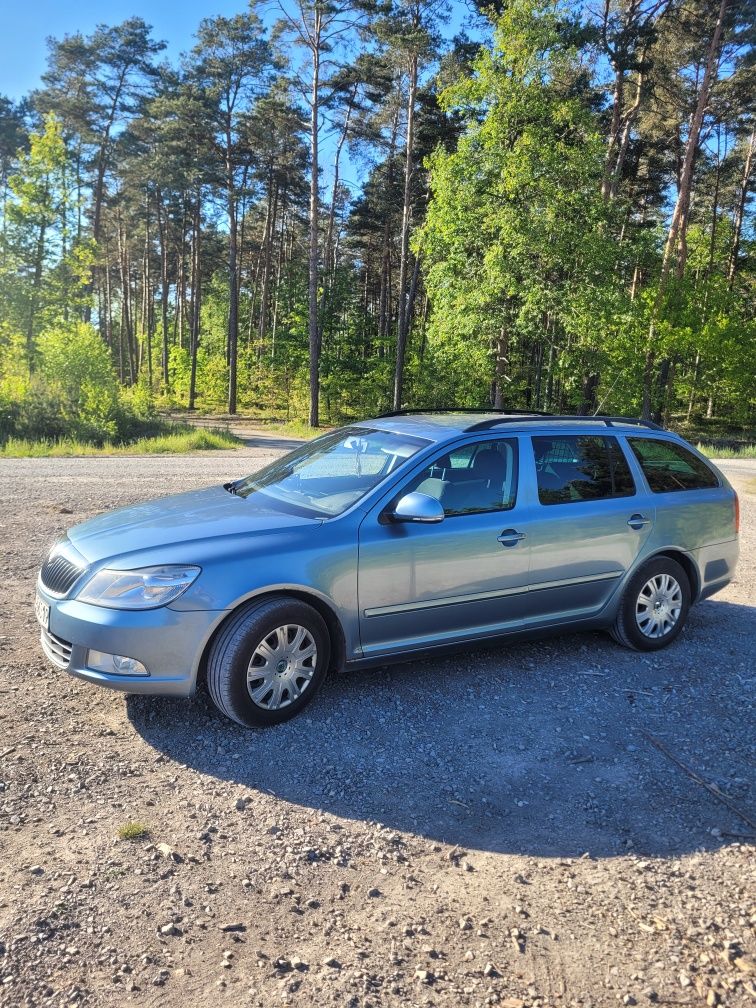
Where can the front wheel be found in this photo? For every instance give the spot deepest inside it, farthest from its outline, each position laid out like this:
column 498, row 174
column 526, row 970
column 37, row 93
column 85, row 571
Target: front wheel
column 268, row 661
column 654, row 606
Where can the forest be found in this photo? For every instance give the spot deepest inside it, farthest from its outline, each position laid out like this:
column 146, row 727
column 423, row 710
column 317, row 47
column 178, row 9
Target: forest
column 327, row 209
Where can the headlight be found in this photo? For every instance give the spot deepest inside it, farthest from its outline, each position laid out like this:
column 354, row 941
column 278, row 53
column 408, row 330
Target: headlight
column 145, row 588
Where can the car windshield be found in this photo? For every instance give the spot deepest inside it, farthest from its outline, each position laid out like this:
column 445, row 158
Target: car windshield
column 328, row 475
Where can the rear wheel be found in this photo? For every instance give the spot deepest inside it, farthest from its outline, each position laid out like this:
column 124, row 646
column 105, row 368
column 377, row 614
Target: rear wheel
column 268, row 661
column 654, row 606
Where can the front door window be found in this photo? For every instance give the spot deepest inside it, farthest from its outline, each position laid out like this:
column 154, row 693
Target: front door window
column 472, row 479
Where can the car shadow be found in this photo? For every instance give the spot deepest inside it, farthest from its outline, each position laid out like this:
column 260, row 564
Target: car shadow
column 537, row 748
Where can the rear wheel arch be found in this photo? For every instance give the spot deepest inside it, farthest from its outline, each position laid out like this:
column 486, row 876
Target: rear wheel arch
column 686, row 562
column 331, row 620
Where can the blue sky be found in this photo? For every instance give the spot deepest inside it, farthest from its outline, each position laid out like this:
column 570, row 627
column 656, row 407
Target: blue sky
column 24, row 26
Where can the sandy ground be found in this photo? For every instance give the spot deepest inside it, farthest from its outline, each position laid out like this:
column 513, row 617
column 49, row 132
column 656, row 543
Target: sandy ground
column 493, row 828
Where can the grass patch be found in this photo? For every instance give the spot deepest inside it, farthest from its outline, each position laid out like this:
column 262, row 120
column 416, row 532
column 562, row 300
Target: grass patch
column 176, row 442
column 295, row 429
column 133, row 831
column 711, row 451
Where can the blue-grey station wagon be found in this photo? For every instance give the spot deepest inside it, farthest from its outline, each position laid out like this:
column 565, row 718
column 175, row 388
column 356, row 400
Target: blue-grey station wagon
column 391, row 538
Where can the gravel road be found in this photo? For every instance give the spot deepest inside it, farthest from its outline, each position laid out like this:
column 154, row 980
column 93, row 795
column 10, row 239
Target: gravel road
column 494, row 828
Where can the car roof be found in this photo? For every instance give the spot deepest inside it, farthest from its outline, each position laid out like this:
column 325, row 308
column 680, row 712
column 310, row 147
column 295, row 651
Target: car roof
column 441, row 425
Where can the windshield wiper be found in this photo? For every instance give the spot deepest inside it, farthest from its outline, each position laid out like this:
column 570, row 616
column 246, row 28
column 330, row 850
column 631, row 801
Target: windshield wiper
column 231, row 487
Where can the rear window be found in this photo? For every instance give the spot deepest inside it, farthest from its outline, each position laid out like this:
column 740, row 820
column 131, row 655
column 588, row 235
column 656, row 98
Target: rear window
column 580, row 468
column 669, row 467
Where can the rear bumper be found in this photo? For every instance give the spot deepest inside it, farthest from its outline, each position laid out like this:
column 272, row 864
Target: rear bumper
column 716, row 567
column 168, row 642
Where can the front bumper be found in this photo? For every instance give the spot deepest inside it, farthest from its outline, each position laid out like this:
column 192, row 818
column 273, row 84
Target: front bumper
column 167, row 641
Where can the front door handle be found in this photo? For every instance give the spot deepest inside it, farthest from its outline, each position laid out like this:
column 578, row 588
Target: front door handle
column 510, row 537
column 637, row 521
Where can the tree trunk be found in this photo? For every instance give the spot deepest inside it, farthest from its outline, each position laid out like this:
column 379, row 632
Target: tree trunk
column 618, row 98
column 267, row 263
column 196, row 297
column 693, row 384
column 126, row 333
column 679, row 223
column 501, row 364
column 740, row 211
column 312, row 284
column 402, row 315
column 279, row 271
column 675, row 244
column 164, row 289
column 39, row 257
column 147, row 299
column 629, row 118
column 233, row 273
column 331, row 254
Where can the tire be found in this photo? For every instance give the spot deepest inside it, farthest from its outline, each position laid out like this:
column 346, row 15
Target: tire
column 280, row 643
column 663, row 579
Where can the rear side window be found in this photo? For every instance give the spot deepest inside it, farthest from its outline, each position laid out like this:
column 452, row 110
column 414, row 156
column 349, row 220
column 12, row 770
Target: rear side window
column 578, row 468
column 669, row 467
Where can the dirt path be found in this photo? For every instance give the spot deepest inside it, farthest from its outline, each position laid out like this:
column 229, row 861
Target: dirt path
column 486, row 829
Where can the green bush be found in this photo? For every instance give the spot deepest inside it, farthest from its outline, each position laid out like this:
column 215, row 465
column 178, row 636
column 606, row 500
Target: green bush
column 75, row 394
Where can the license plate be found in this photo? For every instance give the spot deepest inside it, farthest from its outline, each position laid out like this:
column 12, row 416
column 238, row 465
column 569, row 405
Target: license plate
column 42, row 612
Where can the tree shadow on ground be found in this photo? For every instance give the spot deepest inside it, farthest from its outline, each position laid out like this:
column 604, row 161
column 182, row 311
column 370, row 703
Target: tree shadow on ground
column 533, row 748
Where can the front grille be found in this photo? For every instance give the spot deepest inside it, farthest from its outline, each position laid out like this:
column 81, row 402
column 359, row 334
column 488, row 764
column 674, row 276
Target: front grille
column 56, row 649
column 58, row 574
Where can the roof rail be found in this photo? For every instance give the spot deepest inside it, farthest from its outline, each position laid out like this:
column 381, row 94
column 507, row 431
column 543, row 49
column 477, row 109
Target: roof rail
column 461, row 409
column 609, row 421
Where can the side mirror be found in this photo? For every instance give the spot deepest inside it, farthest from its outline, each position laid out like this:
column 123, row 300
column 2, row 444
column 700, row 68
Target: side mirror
column 417, row 507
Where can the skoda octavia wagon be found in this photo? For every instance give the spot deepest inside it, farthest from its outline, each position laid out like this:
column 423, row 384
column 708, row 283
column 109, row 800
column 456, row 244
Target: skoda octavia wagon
column 391, row 538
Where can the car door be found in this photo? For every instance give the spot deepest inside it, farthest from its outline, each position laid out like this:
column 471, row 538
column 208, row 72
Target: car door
column 589, row 523
column 425, row 584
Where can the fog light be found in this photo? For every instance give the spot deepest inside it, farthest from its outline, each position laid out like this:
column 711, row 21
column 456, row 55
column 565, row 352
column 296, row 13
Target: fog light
column 115, row 664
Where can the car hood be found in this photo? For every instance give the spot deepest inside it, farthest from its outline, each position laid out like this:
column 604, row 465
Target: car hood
column 192, row 517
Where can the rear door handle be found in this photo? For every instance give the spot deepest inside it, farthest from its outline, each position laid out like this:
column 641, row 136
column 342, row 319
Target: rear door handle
column 637, row 521
column 510, row 537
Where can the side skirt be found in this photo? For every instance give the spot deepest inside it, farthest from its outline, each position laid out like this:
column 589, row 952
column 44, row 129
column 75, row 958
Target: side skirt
column 476, row 643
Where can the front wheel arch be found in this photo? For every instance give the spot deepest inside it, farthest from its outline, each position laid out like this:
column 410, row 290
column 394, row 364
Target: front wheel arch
column 331, row 620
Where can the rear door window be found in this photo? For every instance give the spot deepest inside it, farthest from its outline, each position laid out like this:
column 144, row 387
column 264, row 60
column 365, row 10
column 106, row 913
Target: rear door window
column 670, row 467
column 574, row 468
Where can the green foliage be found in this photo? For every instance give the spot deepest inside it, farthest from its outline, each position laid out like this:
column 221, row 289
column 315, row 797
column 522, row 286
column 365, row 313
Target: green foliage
column 712, row 451
column 517, row 239
column 44, row 267
column 178, row 441
column 146, row 204
column 73, row 393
